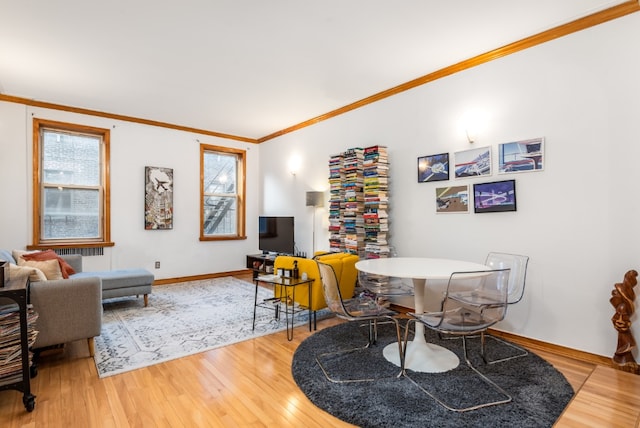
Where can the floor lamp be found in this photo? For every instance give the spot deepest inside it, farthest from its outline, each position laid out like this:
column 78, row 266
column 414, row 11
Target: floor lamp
column 315, row 200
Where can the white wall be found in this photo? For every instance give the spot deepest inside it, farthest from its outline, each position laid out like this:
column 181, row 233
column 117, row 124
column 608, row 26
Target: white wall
column 577, row 219
column 133, row 146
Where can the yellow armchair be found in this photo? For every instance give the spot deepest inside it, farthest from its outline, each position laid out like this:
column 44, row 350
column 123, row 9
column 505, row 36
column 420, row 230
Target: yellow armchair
column 344, row 265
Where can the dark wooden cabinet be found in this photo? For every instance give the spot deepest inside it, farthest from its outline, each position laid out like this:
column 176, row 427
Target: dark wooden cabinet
column 260, row 263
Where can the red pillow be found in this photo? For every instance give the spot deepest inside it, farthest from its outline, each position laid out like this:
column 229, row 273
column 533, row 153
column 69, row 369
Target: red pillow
column 39, row 256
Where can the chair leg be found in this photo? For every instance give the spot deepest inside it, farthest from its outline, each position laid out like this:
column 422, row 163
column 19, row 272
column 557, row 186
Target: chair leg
column 326, row 371
column 523, row 352
column 483, row 336
column 507, row 398
column 401, row 350
column 373, row 332
column 372, row 337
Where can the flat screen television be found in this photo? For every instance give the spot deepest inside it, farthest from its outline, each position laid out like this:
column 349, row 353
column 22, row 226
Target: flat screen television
column 275, row 235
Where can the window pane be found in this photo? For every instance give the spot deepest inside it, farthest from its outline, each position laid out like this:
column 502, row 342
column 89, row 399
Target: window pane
column 220, row 174
column 220, row 215
column 71, row 213
column 71, row 159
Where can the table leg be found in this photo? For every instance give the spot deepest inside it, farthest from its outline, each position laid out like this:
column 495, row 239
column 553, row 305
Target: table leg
column 293, row 299
column 310, row 305
column 422, row 356
column 255, row 305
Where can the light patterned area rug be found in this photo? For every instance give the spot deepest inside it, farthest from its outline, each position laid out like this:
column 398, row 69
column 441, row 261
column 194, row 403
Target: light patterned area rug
column 181, row 319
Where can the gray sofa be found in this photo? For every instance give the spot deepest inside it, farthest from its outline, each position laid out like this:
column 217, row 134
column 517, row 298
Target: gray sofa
column 68, row 309
column 71, row 309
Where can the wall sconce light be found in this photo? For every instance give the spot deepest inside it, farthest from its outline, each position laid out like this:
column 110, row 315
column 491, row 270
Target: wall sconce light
column 294, row 164
column 472, row 123
column 315, row 200
column 470, row 139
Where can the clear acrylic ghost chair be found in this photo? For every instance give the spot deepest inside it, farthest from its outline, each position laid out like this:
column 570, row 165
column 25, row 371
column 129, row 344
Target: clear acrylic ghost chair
column 517, row 279
column 460, row 320
column 357, row 309
column 384, row 287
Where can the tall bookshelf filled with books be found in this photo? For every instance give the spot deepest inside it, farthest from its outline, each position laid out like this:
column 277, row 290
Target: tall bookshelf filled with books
column 376, row 202
column 352, row 219
column 336, row 202
column 358, row 202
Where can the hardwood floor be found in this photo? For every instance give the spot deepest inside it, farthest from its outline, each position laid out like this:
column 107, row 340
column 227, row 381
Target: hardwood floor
column 249, row 384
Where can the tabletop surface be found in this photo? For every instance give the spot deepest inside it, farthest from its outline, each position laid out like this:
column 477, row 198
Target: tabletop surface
column 280, row 280
column 417, row 267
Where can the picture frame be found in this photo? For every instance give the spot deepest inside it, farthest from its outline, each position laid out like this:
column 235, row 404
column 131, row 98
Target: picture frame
column 495, row 196
column 452, row 199
column 521, row 156
column 158, row 198
column 473, row 163
column 433, row 168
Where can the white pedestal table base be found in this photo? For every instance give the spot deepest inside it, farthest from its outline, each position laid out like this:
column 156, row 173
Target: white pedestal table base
column 423, row 357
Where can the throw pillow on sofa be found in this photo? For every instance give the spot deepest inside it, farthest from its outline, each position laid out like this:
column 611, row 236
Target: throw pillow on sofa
column 50, row 268
column 34, row 274
column 39, row 256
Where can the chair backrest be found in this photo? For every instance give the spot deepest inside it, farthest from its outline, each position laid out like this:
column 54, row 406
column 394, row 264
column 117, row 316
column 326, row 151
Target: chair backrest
column 488, row 308
column 331, row 290
column 344, row 265
column 517, row 278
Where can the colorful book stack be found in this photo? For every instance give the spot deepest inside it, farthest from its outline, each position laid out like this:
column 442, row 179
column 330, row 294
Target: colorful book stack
column 376, row 199
column 336, row 204
column 352, row 228
column 358, row 202
column 10, row 342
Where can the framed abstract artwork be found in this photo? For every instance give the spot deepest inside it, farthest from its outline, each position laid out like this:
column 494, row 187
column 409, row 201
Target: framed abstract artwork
column 497, row 196
column 433, row 168
column 521, row 156
column 452, row 199
column 473, row 163
column 158, row 198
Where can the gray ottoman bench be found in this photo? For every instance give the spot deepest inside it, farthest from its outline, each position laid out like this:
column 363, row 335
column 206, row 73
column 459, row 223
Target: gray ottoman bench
column 124, row 282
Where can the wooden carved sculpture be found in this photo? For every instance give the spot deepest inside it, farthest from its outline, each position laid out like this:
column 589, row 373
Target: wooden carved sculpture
column 622, row 299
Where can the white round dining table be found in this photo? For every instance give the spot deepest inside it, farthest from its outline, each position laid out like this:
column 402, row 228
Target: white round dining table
column 420, row 356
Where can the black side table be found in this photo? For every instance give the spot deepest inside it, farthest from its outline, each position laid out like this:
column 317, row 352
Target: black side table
column 17, row 290
column 275, row 303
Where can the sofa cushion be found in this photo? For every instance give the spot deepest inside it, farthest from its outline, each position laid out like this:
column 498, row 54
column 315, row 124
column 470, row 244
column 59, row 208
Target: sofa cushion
column 119, row 278
column 50, row 268
column 34, row 274
column 7, row 256
column 65, row 268
column 330, row 256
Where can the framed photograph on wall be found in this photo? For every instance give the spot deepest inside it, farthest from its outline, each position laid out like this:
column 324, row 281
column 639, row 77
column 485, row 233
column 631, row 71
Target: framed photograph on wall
column 433, row 168
column 453, row 199
column 473, row 163
column 158, row 198
column 497, row 196
column 521, row 156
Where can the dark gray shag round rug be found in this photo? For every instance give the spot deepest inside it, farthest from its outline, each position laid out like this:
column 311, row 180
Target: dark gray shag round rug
column 540, row 393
